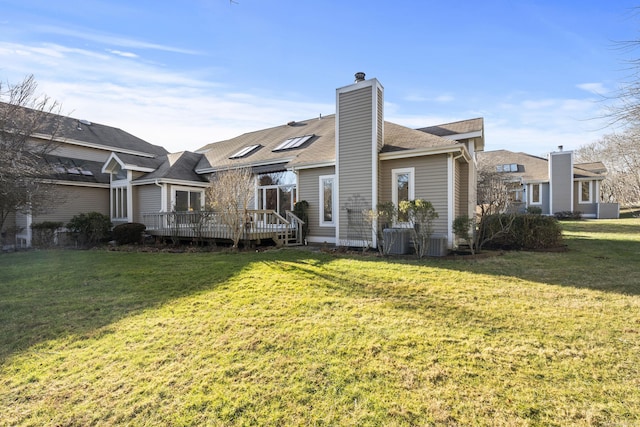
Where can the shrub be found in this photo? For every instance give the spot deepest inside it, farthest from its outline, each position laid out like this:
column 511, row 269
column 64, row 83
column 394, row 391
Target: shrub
column 568, row 215
column 128, row 233
column 520, row 231
column 421, row 214
column 91, row 227
column 534, row 210
column 463, row 228
column 44, row 233
column 300, row 209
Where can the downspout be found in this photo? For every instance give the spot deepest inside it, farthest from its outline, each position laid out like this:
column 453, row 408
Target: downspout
column 451, row 196
column 163, row 196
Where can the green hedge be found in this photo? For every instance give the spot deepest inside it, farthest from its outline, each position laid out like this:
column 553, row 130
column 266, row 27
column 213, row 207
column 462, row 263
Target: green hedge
column 128, row 233
column 520, row 231
column 90, row 228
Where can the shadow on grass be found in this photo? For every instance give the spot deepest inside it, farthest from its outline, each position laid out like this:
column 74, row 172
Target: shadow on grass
column 602, row 255
column 52, row 294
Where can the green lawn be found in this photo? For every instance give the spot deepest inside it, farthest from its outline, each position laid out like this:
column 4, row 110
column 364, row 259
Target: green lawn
column 292, row 337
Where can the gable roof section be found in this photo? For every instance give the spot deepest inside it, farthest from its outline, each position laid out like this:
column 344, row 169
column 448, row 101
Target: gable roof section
column 73, row 131
column 460, row 131
column 131, row 162
column 456, row 129
column 175, row 167
column 317, row 151
column 216, row 156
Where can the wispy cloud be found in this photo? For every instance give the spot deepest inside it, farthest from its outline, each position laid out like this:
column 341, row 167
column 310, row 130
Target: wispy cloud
column 172, row 108
column 113, row 40
column 594, row 88
column 186, row 110
column 123, row 54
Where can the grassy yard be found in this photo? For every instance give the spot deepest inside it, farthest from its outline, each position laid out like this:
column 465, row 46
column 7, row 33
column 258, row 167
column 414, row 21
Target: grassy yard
column 292, row 337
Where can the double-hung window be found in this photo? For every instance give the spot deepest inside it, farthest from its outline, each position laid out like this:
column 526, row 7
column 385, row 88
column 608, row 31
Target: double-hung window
column 534, row 198
column 585, row 191
column 327, row 200
column 402, row 188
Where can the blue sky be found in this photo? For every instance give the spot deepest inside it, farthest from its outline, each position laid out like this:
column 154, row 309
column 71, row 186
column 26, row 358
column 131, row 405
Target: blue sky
column 184, row 74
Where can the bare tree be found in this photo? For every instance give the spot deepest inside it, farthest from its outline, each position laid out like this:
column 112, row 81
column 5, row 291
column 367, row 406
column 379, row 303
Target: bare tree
column 495, row 200
column 229, row 195
column 493, row 191
column 620, row 153
column 28, row 125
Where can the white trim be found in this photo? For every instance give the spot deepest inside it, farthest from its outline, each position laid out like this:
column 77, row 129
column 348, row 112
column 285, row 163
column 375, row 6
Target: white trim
column 172, row 182
column 589, row 201
column 106, row 168
column 76, row 184
column 531, row 201
column 314, row 165
column 175, row 188
column 321, row 239
column 411, row 171
column 321, row 180
column 461, row 136
column 227, row 167
column 426, row 152
column 451, row 201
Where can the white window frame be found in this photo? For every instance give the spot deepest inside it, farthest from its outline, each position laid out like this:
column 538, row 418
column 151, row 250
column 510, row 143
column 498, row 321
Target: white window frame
column 175, row 189
column 394, row 189
column 322, row 179
column 117, row 196
column 580, row 199
column 531, row 193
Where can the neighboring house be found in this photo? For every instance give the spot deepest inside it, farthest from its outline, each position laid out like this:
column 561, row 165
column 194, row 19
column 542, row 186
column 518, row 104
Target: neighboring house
column 341, row 164
column 555, row 184
column 75, row 166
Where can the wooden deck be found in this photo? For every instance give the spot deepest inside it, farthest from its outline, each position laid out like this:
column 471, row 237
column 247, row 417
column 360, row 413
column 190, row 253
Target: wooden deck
column 206, row 225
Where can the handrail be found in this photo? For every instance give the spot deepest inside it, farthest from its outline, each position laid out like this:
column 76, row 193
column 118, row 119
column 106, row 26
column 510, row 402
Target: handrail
column 258, row 224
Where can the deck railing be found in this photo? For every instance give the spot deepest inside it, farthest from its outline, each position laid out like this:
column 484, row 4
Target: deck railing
column 259, row 224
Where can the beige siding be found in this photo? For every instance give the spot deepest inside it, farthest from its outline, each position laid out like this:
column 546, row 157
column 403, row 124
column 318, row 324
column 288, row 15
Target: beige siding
column 355, row 129
column 462, row 189
column 309, row 190
column 77, row 200
column 430, row 184
column 146, row 199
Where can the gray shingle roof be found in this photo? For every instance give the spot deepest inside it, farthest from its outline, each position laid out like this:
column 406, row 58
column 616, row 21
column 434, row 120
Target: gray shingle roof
column 319, row 149
column 73, row 170
column 177, row 166
column 455, row 128
column 112, row 139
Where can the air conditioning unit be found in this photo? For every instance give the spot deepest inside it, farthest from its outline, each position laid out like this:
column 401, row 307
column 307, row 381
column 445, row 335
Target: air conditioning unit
column 438, row 245
column 397, row 241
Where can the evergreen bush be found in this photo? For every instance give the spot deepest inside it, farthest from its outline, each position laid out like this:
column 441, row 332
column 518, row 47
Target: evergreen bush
column 128, row 233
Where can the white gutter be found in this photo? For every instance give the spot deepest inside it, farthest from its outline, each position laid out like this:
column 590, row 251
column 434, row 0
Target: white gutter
column 404, row 154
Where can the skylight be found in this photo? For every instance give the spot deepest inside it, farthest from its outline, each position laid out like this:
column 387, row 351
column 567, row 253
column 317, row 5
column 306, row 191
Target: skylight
column 245, row 151
column 510, row 167
column 293, row 142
